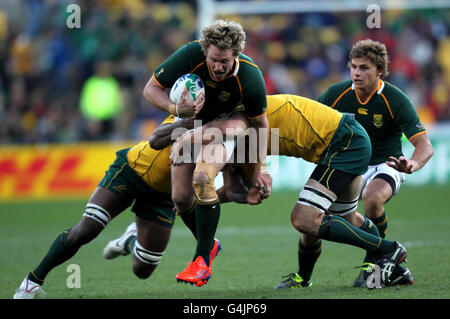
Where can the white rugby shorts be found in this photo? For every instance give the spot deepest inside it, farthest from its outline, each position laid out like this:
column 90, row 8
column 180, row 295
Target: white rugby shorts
column 382, row 168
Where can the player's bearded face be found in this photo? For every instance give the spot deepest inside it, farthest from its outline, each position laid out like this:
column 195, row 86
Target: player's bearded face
column 220, row 62
column 364, row 74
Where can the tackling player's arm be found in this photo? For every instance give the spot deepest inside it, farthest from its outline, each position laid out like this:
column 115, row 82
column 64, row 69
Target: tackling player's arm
column 421, row 155
column 234, row 188
column 162, row 136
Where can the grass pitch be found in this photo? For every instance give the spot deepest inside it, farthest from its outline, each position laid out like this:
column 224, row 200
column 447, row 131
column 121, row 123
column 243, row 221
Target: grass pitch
column 259, row 246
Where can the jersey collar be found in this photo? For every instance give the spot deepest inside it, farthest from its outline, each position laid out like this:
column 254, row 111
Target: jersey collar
column 379, row 89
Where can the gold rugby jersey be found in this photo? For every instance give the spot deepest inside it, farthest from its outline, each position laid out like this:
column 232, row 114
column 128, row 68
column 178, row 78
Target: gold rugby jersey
column 305, row 127
column 151, row 165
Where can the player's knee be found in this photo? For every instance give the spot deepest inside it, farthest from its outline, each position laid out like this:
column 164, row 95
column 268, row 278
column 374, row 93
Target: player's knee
column 372, row 202
column 299, row 220
column 96, row 214
column 183, row 198
column 145, row 261
column 203, row 181
column 142, row 270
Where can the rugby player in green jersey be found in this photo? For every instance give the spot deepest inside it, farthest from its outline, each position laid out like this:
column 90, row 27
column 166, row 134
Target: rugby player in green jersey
column 307, row 129
column 231, row 80
column 386, row 113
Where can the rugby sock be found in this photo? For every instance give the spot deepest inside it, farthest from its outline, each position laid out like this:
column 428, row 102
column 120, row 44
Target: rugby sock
column 381, row 223
column 337, row 229
column 307, row 257
column 189, row 219
column 207, row 216
column 369, row 227
column 56, row 255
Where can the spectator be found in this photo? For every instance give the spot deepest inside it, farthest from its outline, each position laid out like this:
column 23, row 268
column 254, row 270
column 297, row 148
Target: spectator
column 44, row 65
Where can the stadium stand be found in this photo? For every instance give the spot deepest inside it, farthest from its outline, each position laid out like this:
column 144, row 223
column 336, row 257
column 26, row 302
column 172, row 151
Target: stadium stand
column 45, row 64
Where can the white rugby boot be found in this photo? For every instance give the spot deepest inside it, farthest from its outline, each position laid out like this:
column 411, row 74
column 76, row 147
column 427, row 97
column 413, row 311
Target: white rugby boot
column 116, row 247
column 28, row 290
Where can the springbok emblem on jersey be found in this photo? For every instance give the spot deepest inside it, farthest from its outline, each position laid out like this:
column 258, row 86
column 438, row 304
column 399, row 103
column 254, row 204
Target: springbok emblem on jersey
column 224, row 96
column 378, row 120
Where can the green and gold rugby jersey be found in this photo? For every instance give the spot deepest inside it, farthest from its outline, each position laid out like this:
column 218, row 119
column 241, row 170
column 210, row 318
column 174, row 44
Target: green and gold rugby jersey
column 245, row 86
column 384, row 115
column 305, row 127
column 153, row 166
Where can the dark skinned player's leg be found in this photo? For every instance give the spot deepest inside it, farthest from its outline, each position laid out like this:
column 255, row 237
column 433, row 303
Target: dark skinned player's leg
column 101, row 208
column 151, row 242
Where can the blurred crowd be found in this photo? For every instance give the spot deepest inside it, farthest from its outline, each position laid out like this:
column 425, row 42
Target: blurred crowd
column 61, row 85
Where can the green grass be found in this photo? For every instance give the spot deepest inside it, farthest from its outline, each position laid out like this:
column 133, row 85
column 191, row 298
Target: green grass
column 259, row 246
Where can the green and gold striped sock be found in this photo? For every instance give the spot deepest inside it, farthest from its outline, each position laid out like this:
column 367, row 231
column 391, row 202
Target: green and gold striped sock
column 337, row 229
column 381, row 223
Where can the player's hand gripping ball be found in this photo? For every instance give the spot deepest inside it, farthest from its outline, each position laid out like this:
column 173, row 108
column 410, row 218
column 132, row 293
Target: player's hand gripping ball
column 192, row 82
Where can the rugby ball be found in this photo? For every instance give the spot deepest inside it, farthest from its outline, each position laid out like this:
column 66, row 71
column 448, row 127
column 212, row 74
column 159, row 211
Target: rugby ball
column 189, row 80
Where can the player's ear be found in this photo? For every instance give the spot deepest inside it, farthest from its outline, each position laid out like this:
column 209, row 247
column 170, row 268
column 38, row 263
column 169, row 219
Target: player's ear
column 380, row 72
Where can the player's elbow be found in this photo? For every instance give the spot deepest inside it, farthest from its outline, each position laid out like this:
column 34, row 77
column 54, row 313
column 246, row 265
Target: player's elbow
column 156, row 141
column 426, row 149
column 147, row 91
column 430, row 150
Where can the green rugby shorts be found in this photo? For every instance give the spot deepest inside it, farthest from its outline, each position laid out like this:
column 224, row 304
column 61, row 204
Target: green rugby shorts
column 148, row 204
column 350, row 149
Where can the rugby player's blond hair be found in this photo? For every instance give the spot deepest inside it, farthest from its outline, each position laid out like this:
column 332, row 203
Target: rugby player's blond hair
column 224, row 35
column 374, row 51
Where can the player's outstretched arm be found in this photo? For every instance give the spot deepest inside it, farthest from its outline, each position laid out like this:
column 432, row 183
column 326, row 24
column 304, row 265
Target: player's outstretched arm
column 421, row 155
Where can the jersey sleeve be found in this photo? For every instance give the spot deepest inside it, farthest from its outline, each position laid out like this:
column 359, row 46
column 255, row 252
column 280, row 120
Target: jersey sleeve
column 255, row 98
column 182, row 61
column 406, row 116
column 169, row 120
